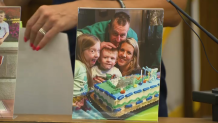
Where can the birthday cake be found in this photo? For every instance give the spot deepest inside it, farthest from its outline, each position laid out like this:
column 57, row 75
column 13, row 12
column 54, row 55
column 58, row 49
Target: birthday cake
column 122, row 95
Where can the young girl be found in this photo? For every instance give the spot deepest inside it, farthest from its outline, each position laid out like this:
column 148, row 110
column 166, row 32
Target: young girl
column 87, row 53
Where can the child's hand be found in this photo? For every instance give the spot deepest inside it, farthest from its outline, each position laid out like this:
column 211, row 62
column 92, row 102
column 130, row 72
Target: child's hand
column 99, row 79
column 1, row 41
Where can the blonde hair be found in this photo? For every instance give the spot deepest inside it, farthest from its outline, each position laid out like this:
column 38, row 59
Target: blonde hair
column 134, row 64
column 84, row 42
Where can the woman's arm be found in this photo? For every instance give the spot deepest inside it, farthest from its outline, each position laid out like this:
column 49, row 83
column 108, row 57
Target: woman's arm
column 56, row 18
column 16, row 2
column 171, row 16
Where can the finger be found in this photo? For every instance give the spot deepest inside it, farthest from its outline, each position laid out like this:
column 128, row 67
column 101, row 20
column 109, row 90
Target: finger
column 35, row 30
column 97, row 80
column 109, row 47
column 46, row 26
column 112, row 45
column 29, row 25
column 101, row 79
column 47, row 37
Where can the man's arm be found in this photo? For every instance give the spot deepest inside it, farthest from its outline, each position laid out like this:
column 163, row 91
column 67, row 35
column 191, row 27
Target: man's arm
column 171, row 16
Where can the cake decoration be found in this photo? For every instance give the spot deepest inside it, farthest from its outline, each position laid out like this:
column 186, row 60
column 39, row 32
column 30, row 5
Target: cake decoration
column 126, row 92
column 128, row 106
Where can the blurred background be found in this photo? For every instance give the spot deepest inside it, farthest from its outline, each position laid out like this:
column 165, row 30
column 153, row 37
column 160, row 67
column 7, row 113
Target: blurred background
column 187, row 68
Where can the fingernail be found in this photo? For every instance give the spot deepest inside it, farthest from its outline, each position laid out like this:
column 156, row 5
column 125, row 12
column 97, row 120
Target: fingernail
column 31, row 44
column 37, row 48
column 25, row 39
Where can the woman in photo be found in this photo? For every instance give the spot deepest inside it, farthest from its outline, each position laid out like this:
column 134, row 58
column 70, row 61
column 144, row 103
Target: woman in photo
column 128, row 57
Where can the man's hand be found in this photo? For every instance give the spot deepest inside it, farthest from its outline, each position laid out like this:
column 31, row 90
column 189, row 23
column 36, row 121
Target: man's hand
column 107, row 45
column 1, row 41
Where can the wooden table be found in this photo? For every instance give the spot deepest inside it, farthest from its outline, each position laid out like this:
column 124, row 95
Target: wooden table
column 65, row 118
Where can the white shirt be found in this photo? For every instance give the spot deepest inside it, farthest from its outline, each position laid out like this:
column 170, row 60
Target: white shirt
column 4, row 28
column 102, row 73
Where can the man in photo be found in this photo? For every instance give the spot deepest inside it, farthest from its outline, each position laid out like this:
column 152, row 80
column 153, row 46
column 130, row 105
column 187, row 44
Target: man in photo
column 4, row 32
column 111, row 32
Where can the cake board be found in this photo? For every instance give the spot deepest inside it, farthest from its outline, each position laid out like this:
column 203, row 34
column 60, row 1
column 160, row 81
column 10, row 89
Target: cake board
column 103, row 111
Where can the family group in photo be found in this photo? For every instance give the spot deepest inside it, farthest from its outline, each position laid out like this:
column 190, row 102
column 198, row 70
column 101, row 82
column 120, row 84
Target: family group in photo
column 104, row 50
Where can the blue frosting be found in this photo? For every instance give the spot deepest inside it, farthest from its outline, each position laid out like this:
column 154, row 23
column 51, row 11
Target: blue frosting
column 138, row 91
column 145, row 89
column 107, row 93
column 149, row 98
column 138, row 102
column 153, row 86
column 112, row 96
column 121, row 97
column 156, row 95
column 128, row 106
column 96, row 86
column 102, row 90
column 117, row 110
column 129, row 94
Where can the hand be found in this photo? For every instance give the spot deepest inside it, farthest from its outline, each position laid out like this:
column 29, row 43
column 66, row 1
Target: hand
column 99, row 79
column 107, row 45
column 1, row 41
column 53, row 19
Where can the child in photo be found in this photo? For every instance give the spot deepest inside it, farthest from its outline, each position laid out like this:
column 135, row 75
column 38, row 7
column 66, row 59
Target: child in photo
column 87, row 53
column 4, row 32
column 105, row 69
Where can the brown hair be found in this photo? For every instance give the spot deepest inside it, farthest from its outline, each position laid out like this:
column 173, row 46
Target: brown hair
column 84, row 42
column 134, row 64
column 121, row 17
column 113, row 50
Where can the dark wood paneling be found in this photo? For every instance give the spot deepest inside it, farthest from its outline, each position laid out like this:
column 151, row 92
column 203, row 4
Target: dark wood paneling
column 187, row 56
column 209, row 78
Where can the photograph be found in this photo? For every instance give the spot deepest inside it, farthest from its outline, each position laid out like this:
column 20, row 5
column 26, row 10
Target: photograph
column 117, row 64
column 9, row 34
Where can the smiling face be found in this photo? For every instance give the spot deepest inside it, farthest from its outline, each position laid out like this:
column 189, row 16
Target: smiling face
column 125, row 54
column 117, row 32
column 91, row 54
column 107, row 59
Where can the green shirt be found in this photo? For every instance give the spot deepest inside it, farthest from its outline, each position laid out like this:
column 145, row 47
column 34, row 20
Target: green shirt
column 80, row 79
column 100, row 30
